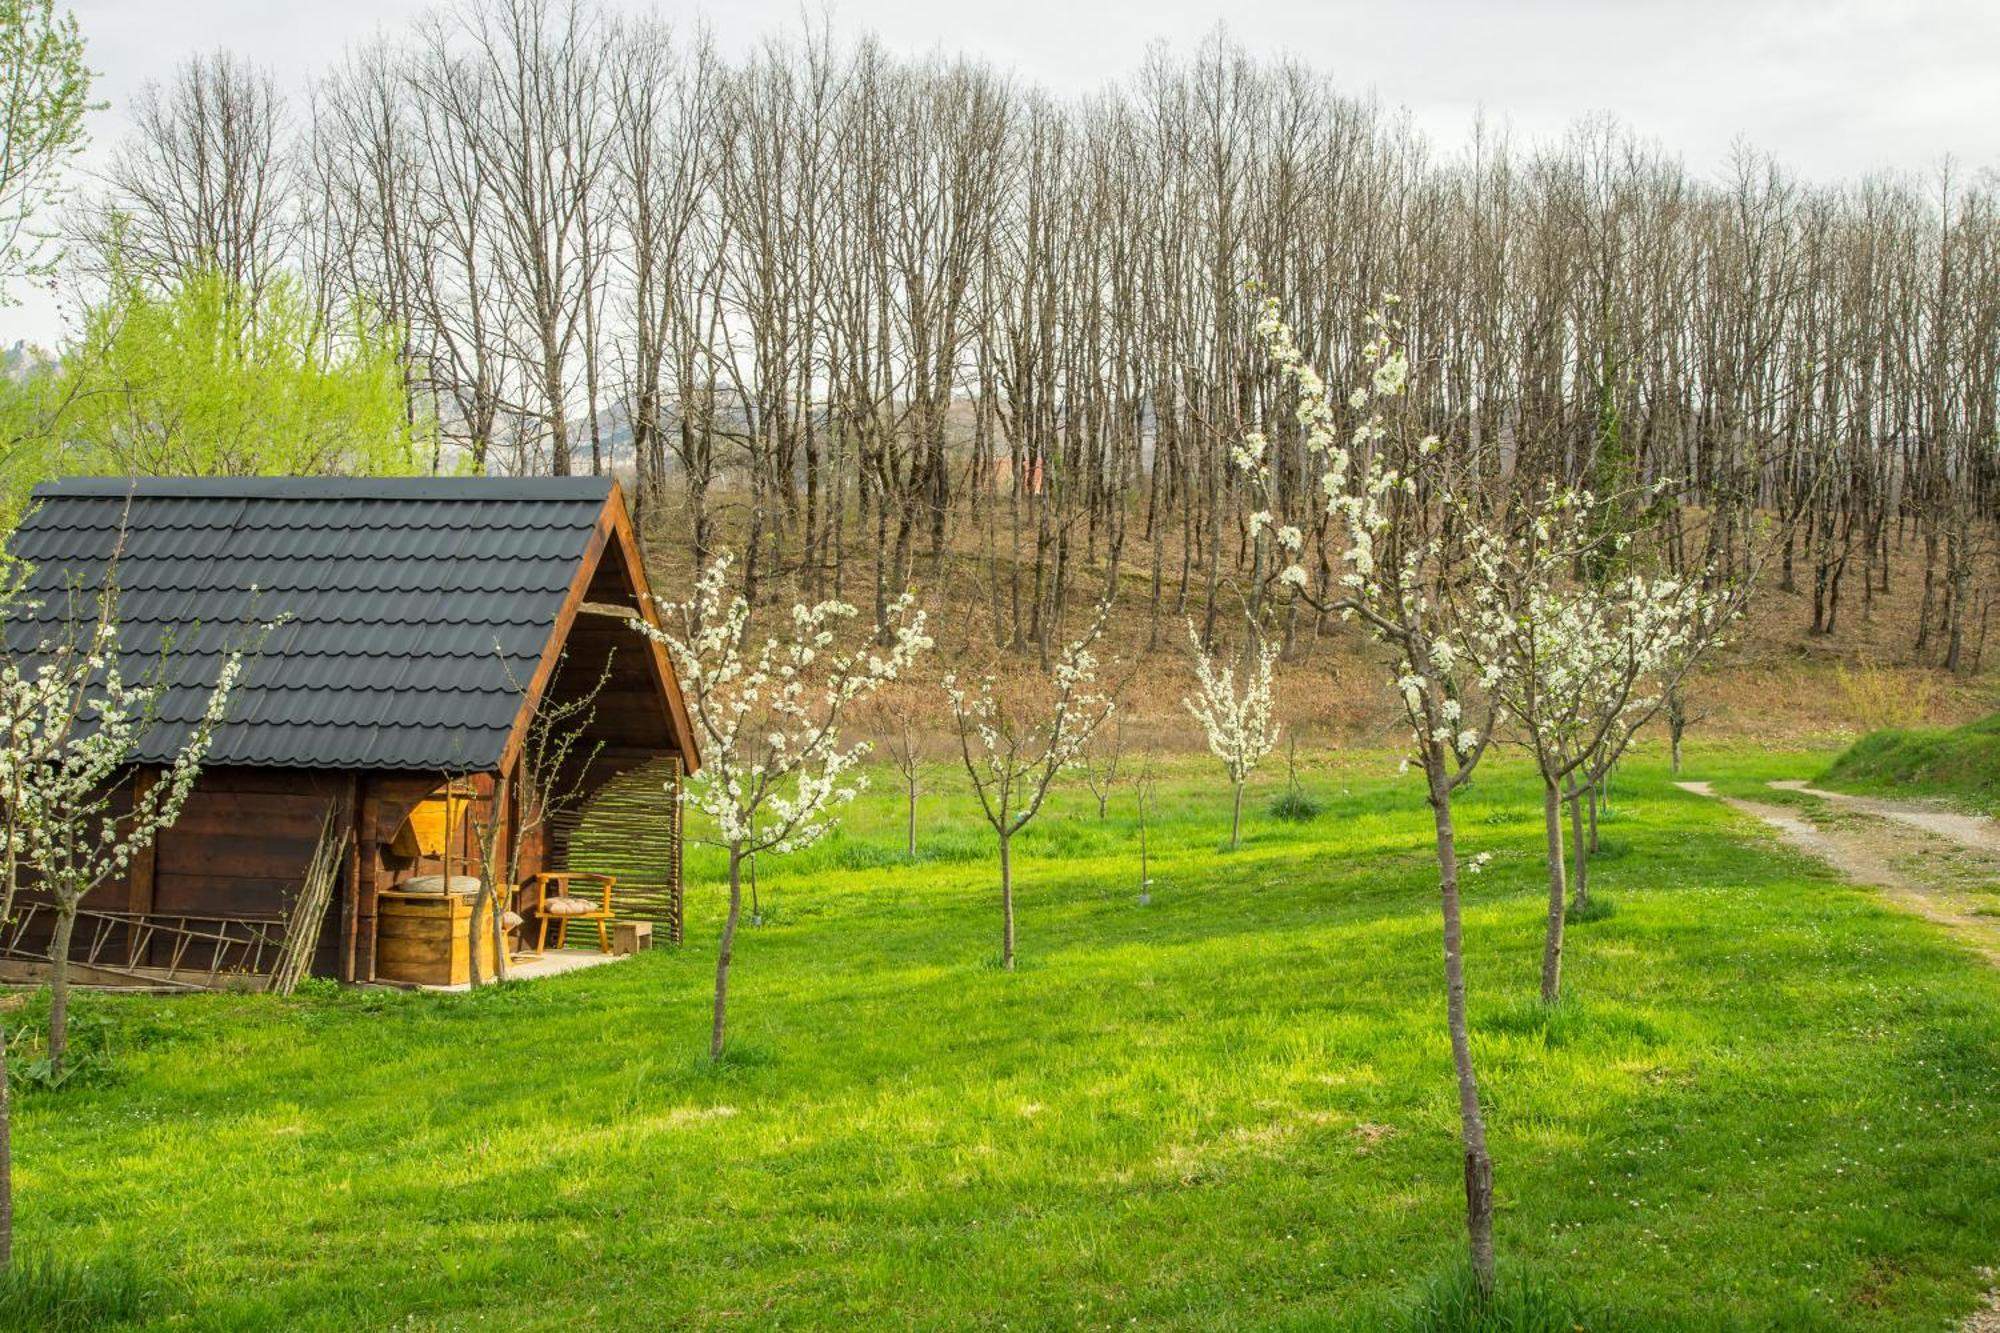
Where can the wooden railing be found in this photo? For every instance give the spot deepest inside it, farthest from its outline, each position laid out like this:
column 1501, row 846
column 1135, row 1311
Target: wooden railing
column 127, row 945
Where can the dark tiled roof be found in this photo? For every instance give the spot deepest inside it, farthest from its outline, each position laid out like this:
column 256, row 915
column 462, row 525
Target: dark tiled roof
column 416, row 608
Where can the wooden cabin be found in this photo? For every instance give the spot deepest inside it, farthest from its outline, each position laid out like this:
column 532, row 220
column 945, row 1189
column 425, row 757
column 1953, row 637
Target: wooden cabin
column 421, row 622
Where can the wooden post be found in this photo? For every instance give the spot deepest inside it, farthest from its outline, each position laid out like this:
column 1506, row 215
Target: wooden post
column 365, row 885
column 139, row 885
column 359, row 863
column 507, row 893
column 352, row 881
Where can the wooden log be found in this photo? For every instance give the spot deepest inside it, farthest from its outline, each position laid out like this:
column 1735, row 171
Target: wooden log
column 15, row 972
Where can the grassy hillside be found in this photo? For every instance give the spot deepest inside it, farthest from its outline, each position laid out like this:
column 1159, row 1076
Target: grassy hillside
column 1961, row 763
column 1227, row 1108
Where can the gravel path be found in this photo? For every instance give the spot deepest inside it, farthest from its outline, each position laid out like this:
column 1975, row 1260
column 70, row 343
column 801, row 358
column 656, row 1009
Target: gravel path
column 1894, row 846
column 1974, row 831
column 1888, row 850
column 1986, row 1319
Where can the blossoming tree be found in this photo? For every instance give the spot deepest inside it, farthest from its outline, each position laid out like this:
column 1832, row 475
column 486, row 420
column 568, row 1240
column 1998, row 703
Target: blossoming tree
column 769, row 714
column 1580, row 664
column 1401, row 506
column 1240, row 724
column 909, row 751
column 1013, row 750
column 73, row 810
column 1697, row 619
column 74, row 813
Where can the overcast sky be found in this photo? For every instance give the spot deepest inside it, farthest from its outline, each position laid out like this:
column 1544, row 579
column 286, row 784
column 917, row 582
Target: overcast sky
column 1835, row 88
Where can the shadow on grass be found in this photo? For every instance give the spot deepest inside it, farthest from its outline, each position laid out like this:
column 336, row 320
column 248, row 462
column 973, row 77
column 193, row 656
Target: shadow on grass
column 1599, row 908
column 44, row 1292
column 1568, row 1022
column 1522, row 1301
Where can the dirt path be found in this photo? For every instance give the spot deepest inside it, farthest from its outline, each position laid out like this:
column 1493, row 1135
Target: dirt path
column 1974, row 831
column 1894, row 848
column 1986, row 1319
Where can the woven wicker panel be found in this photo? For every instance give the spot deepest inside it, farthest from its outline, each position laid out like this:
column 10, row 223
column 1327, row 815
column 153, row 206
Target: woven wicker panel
column 631, row 828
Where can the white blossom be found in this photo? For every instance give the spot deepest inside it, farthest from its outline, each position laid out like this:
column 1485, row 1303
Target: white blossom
column 1014, row 753
column 768, row 712
column 1239, row 723
column 71, row 723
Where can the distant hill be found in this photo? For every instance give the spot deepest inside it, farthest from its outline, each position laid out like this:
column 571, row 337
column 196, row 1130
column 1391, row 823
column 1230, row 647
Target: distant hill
column 24, row 358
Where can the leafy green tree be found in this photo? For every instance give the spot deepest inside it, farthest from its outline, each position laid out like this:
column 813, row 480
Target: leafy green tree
column 44, row 93
column 202, row 380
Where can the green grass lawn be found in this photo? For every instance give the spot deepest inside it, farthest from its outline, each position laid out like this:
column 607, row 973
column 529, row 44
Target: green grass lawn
column 1961, row 764
column 1769, row 1101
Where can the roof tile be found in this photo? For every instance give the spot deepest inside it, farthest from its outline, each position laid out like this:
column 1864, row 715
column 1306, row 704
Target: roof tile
column 413, row 611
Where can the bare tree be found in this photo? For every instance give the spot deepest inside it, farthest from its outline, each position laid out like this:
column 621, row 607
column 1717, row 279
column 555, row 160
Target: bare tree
column 208, row 179
column 852, row 311
column 1103, row 761
column 909, row 751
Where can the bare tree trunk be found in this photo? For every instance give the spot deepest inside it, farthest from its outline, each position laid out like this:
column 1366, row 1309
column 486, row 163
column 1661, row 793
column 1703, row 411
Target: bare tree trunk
column 501, row 963
column 727, row 950
column 1472, row 1122
column 912, row 829
column 1552, row 940
column 1007, row 902
column 481, row 902
column 1580, row 878
column 59, row 988
column 6, row 1157
column 1236, row 818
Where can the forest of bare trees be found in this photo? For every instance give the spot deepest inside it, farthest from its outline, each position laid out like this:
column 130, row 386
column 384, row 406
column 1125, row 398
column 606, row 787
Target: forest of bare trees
column 856, row 315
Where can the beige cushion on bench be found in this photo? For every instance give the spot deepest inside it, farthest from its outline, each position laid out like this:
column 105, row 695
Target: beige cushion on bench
column 440, row 884
column 571, row 907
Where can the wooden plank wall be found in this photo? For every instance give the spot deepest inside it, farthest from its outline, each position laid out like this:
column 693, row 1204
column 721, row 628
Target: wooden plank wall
column 242, row 845
column 239, row 849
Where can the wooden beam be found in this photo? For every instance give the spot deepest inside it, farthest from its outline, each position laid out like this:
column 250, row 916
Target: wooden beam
column 16, row 972
column 663, row 669
column 367, row 833
column 362, row 860
column 614, row 529
column 352, row 894
column 141, row 880
column 579, row 584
